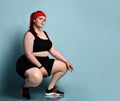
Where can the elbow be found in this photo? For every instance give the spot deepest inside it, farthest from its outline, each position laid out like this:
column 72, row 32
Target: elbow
column 53, row 52
column 28, row 54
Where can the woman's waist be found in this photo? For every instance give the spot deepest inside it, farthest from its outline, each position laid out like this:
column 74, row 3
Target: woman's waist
column 41, row 54
column 38, row 55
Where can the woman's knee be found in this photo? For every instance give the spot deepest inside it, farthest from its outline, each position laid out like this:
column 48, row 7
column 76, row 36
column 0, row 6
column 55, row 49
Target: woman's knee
column 59, row 66
column 63, row 67
column 35, row 77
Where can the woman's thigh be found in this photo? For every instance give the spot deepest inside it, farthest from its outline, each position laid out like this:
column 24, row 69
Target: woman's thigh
column 59, row 66
column 35, row 71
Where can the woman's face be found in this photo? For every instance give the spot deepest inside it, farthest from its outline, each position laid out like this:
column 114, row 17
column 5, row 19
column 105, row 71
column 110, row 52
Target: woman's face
column 40, row 21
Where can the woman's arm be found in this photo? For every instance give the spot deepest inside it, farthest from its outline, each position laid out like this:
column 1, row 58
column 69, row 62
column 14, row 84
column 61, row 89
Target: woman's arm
column 28, row 48
column 55, row 53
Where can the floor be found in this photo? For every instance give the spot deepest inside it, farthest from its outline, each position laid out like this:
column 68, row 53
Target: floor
column 83, row 93
column 84, row 90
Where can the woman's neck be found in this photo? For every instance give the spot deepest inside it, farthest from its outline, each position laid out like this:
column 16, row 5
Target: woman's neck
column 37, row 30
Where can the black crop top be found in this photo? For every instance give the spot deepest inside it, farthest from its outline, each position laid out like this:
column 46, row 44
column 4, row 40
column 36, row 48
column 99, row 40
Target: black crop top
column 41, row 44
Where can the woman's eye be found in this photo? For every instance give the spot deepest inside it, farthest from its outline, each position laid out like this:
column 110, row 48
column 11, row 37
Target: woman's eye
column 42, row 19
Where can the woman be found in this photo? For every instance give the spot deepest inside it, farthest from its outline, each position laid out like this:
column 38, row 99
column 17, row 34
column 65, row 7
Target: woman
column 35, row 63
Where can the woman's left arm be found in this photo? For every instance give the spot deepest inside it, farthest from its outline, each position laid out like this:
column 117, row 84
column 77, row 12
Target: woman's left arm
column 55, row 53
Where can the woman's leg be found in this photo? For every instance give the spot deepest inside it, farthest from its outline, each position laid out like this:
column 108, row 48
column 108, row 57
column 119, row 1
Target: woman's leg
column 34, row 77
column 58, row 70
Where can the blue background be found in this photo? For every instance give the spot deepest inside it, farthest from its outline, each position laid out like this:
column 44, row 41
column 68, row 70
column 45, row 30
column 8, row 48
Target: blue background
column 87, row 32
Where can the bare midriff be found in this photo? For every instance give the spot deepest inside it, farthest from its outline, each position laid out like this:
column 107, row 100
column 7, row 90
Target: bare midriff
column 41, row 54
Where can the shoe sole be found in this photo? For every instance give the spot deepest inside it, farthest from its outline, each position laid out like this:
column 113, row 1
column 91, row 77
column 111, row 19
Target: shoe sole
column 25, row 98
column 53, row 94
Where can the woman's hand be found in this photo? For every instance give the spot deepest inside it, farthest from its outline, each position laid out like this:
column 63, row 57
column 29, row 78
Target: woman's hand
column 69, row 66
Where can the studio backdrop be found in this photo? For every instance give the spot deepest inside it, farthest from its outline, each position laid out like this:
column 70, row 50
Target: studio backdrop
column 86, row 32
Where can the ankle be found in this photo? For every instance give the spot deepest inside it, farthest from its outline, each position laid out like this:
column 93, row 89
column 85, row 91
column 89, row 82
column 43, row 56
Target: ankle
column 25, row 86
column 49, row 88
column 25, row 93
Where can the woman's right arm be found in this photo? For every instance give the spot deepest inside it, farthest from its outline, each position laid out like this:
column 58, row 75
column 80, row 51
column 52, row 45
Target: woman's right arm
column 28, row 48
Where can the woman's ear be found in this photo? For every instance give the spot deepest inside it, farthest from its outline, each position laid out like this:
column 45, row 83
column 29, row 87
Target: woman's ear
column 33, row 20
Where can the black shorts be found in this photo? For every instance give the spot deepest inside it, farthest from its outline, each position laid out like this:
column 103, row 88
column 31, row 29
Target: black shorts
column 24, row 64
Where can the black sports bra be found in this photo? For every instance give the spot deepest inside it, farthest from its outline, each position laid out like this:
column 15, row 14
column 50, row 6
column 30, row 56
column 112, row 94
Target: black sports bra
column 41, row 44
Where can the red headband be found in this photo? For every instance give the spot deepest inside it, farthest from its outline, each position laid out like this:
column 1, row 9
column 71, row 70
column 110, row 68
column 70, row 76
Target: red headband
column 36, row 15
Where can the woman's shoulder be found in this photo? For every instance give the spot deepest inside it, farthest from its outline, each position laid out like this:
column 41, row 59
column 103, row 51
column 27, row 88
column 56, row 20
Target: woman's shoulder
column 29, row 31
column 29, row 34
column 46, row 34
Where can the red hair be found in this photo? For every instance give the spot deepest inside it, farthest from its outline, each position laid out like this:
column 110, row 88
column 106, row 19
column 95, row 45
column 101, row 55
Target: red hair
column 34, row 16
